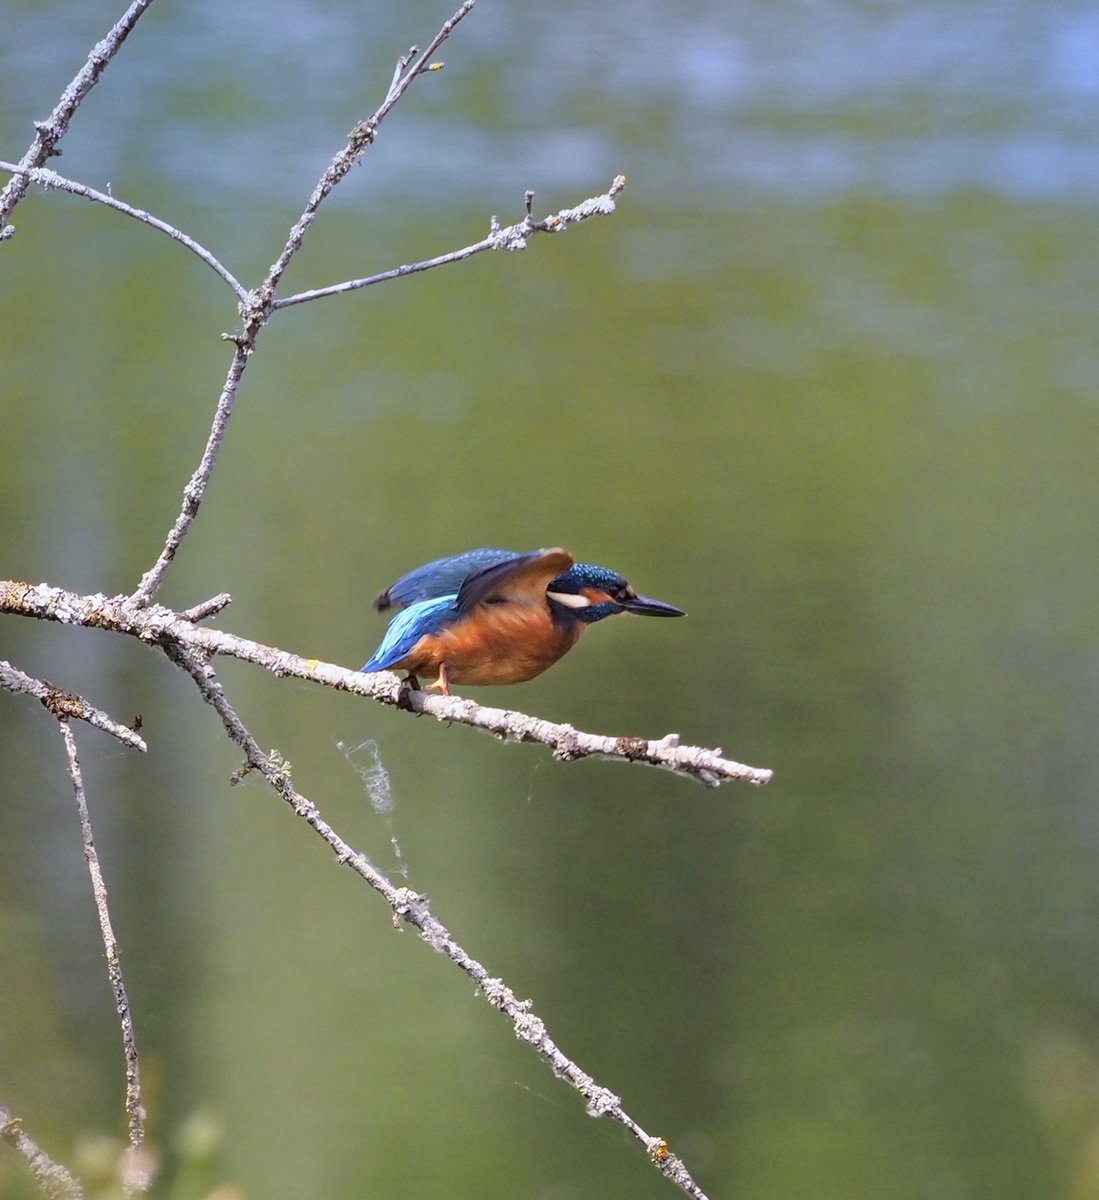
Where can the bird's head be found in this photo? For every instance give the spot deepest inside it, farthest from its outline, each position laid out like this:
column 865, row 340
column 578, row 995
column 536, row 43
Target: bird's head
column 589, row 593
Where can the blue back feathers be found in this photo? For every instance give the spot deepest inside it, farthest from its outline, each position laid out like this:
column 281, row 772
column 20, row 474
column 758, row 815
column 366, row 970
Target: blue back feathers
column 407, row 627
column 443, row 577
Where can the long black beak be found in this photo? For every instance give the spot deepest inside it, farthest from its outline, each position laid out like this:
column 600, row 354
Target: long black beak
column 644, row 606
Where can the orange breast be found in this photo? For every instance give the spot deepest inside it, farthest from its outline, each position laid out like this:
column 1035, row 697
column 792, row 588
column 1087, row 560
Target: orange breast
column 498, row 643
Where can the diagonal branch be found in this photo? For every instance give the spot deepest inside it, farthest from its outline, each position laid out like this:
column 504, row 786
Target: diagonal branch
column 410, row 908
column 137, row 1168
column 56, row 1181
column 48, row 180
column 162, row 626
column 51, row 131
column 196, row 485
column 64, row 705
column 360, row 138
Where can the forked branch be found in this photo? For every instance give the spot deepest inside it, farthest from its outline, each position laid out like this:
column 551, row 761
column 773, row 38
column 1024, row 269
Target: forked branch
column 409, row 67
column 410, row 908
column 66, row 705
column 170, row 630
column 49, row 132
column 49, row 180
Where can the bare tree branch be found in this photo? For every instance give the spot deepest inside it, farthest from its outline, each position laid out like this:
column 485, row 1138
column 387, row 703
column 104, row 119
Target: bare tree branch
column 64, row 705
column 208, row 608
column 52, row 130
column 56, row 1181
column 358, row 140
column 257, row 307
column 137, row 1174
column 196, row 485
column 410, row 908
column 49, row 180
column 513, row 237
column 168, row 629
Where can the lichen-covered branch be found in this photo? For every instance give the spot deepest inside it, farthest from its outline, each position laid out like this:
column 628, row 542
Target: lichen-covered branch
column 49, row 180
column 49, row 132
column 410, row 66
column 192, row 647
column 161, row 626
column 56, row 1181
column 64, row 705
column 510, row 237
column 196, row 485
column 410, row 908
column 137, row 1175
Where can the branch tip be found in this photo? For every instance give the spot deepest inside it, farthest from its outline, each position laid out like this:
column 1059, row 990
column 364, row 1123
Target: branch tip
column 56, row 1181
column 135, row 1111
column 207, row 608
column 64, row 705
column 49, row 132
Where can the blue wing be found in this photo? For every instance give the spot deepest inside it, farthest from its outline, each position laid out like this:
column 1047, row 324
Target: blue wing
column 523, row 577
column 408, row 626
column 443, row 577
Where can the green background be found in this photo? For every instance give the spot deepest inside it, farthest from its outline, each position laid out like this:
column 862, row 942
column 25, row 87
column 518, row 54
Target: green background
column 828, row 380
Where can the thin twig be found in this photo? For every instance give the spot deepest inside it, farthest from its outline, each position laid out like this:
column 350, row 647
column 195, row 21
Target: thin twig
column 208, row 608
column 196, row 486
column 513, row 237
column 57, row 1182
column 137, row 1180
column 410, row 908
column 51, row 131
column 49, row 180
column 64, row 704
column 358, row 140
column 160, row 625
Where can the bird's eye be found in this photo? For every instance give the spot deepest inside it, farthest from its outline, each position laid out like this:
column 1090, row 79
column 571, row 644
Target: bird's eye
column 496, row 599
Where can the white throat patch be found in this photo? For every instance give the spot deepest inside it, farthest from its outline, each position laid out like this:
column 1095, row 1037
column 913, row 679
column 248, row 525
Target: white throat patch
column 570, row 599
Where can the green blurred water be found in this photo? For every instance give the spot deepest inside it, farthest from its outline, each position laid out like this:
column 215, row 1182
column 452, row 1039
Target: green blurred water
column 827, row 379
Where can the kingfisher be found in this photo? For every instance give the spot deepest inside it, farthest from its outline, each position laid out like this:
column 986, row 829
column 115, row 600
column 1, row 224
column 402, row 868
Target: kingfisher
column 495, row 616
